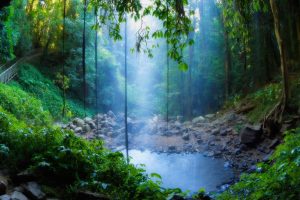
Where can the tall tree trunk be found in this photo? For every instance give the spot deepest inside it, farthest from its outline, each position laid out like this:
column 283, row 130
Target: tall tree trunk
column 227, row 61
column 282, row 51
column 190, row 81
column 273, row 120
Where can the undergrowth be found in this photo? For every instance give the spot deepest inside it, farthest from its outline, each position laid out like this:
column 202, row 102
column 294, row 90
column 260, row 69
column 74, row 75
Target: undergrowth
column 263, row 101
column 29, row 141
column 32, row 81
column 278, row 180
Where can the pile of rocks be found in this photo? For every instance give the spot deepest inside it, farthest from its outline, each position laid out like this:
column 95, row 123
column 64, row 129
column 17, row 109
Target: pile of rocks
column 24, row 187
column 228, row 136
column 24, row 190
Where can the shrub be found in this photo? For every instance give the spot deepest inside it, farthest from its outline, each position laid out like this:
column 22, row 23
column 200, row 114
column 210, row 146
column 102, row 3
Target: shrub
column 32, row 81
column 23, row 106
column 280, row 180
column 58, row 156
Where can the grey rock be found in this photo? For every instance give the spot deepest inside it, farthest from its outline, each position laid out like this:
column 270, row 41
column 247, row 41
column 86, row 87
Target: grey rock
column 172, row 148
column 209, row 153
column 34, row 191
column 227, row 164
column 210, row 116
column 186, row 136
column 237, row 151
column 199, row 141
column 3, row 185
column 78, row 130
column 111, row 114
column 223, row 132
column 5, row 197
column 24, row 176
column 274, row 143
column 179, row 118
column 72, row 126
column 243, row 147
column 198, row 119
column 18, row 196
column 215, row 131
column 78, row 122
column 86, row 128
column 87, row 119
column 19, row 189
column 250, row 135
column 87, row 195
column 92, row 125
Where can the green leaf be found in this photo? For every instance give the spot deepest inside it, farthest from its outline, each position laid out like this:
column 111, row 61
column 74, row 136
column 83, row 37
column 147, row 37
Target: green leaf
column 183, row 66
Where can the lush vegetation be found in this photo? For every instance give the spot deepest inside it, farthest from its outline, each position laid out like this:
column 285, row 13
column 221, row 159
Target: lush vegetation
column 50, row 95
column 206, row 54
column 278, row 179
column 29, row 141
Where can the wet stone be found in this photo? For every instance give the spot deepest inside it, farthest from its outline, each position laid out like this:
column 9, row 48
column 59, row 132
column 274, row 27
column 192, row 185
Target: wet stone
column 5, row 197
column 18, row 196
column 33, row 190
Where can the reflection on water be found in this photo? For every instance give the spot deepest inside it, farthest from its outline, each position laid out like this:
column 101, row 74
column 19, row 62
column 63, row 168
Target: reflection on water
column 185, row 171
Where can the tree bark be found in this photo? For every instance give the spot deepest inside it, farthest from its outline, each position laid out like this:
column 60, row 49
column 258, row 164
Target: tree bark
column 190, row 81
column 227, row 62
column 282, row 51
column 273, row 120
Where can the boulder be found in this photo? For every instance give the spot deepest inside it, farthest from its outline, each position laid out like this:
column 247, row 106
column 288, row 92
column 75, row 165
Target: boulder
column 87, row 119
column 250, row 135
column 274, row 143
column 223, row 132
column 72, row 126
column 34, row 191
column 215, row 131
column 210, row 116
column 3, row 185
column 111, row 114
column 198, row 120
column 78, row 122
column 18, row 196
column 92, row 125
column 24, row 176
column 86, row 128
column 5, row 197
column 172, row 148
column 179, row 118
column 199, row 141
column 186, row 136
column 78, row 130
column 87, row 195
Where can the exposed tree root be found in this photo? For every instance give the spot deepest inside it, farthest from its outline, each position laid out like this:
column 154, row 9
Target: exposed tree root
column 273, row 120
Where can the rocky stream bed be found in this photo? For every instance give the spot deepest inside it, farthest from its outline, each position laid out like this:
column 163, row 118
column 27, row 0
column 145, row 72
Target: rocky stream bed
column 227, row 136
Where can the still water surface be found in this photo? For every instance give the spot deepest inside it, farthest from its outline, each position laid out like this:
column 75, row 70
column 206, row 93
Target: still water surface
column 185, row 171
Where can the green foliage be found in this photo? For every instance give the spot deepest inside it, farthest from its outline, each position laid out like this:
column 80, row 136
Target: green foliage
column 23, row 106
column 264, row 100
column 279, row 180
column 58, row 156
column 32, row 81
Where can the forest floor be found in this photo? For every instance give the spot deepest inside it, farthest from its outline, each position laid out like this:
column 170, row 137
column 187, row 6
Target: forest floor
column 229, row 136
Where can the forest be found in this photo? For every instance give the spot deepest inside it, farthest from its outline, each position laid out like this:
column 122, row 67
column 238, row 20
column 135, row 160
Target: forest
column 150, row 99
